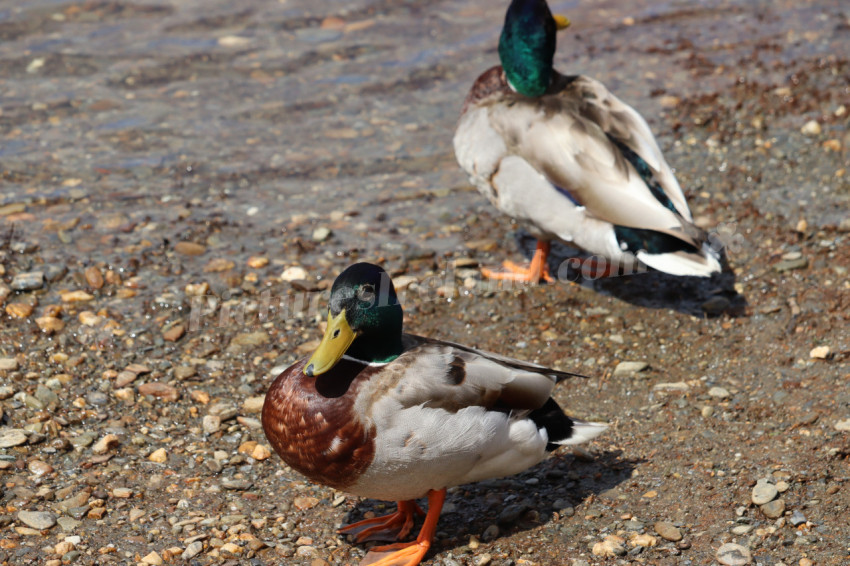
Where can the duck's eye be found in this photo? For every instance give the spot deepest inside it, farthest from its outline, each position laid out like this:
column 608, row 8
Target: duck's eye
column 366, row 294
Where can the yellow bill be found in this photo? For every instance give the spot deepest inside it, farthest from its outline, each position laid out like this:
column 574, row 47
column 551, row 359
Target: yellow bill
column 338, row 337
column 562, row 22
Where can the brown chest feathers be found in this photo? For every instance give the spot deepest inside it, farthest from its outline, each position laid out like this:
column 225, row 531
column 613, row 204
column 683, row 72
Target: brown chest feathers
column 310, row 423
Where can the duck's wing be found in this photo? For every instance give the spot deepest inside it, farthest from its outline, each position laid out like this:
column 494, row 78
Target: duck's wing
column 590, row 145
column 446, row 375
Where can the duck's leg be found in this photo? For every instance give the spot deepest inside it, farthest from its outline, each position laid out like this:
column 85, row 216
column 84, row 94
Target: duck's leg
column 410, row 553
column 394, row 526
column 538, row 268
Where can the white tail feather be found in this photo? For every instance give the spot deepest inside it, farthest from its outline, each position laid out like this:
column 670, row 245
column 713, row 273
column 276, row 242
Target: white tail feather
column 681, row 263
column 584, row 431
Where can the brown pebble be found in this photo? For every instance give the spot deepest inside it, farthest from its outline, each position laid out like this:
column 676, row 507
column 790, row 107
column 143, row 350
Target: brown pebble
column 93, row 277
column 305, row 502
column 189, row 248
column 160, row 390
column 19, row 310
column 199, row 396
column 50, row 324
column 218, row 265
column 76, row 297
column 174, row 333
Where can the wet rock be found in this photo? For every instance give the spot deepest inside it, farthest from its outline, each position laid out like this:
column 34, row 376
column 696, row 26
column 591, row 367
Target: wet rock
column 105, row 444
column 160, row 456
column 174, row 333
column 211, row 424
column 731, row 554
column 236, row 484
column 668, row 531
column 321, row 234
column 719, row 393
column 192, row 550
column 160, row 390
column 791, row 264
column 10, row 437
column 94, row 277
column 189, row 248
column 41, row 520
column 28, row 281
column 629, row 368
column 247, row 341
column 293, row 273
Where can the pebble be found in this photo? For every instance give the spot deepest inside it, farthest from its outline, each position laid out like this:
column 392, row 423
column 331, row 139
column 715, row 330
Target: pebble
column 41, row 520
column 39, row 468
column 160, row 390
column 741, row 530
column 797, row 518
column 19, row 310
column 791, row 264
column 629, row 368
column 154, row 559
column 29, row 281
column 293, row 273
column 843, row 426
column 719, row 392
column 668, row 531
column 820, row 353
column 189, row 248
column 644, row 540
column 93, row 277
column 321, row 234
column 159, row 456
column 50, row 324
column 10, row 437
column 611, row 546
column 76, row 297
column 8, row 364
column 811, row 128
column 764, row 492
column 174, row 333
column 677, row 386
column 218, row 265
column 731, row 554
column 305, row 502
column 106, row 443
column 236, row 484
column 253, row 404
column 211, row 424
column 774, row 509
column 192, row 550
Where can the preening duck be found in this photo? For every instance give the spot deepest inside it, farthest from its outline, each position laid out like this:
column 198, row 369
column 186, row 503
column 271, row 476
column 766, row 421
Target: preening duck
column 387, row 415
column 572, row 162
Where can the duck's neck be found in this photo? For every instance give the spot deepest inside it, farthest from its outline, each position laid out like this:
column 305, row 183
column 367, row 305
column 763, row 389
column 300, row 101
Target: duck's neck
column 379, row 348
column 527, row 47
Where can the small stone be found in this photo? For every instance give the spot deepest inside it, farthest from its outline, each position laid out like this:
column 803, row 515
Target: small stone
column 19, row 310
column 122, row 493
column 741, row 530
column 199, row 396
column 39, row 468
column 88, row 318
column 253, row 404
column 490, row 534
column 154, row 559
column 94, row 277
column 160, row 390
column 63, row 547
column 731, row 554
column 707, row 411
column 76, row 297
column 185, row 372
column 260, row 453
column 237, row 484
column 29, row 281
column 305, row 502
column 211, row 424
column 719, row 392
column 189, row 248
column 50, row 324
column 219, row 265
column 629, row 368
column 677, row 386
column 774, row 509
column 10, row 437
column 811, row 128
column 668, row 531
column 160, row 456
column 197, row 289
column 805, row 562
column 192, row 550
column 644, row 540
column 820, row 353
column 231, row 548
column 8, row 364
column 293, row 273
column 68, row 524
column 105, row 444
column 41, row 520
column 257, row 262
column 764, row 492
column 843, row 426
column 174, row 333
column 611, row 546
column 321, row 234
column 791, row 264
column 797, row 518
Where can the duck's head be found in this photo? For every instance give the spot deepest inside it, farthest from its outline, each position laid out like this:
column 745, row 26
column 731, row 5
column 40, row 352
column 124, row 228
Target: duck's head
column 527, row 45
column 364, row 320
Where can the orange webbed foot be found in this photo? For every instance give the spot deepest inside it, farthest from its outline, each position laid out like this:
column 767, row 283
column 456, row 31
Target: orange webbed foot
column 536, row 271
column 394, row 526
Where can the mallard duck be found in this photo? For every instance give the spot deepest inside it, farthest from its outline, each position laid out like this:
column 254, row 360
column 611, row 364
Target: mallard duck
column 570, row 161
column 387, row 415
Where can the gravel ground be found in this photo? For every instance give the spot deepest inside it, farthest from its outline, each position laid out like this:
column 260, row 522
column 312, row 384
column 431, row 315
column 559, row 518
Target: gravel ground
column 181, row 182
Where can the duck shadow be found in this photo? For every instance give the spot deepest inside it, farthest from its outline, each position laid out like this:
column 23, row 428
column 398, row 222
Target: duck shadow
column 708, row 297
column 521, row 502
